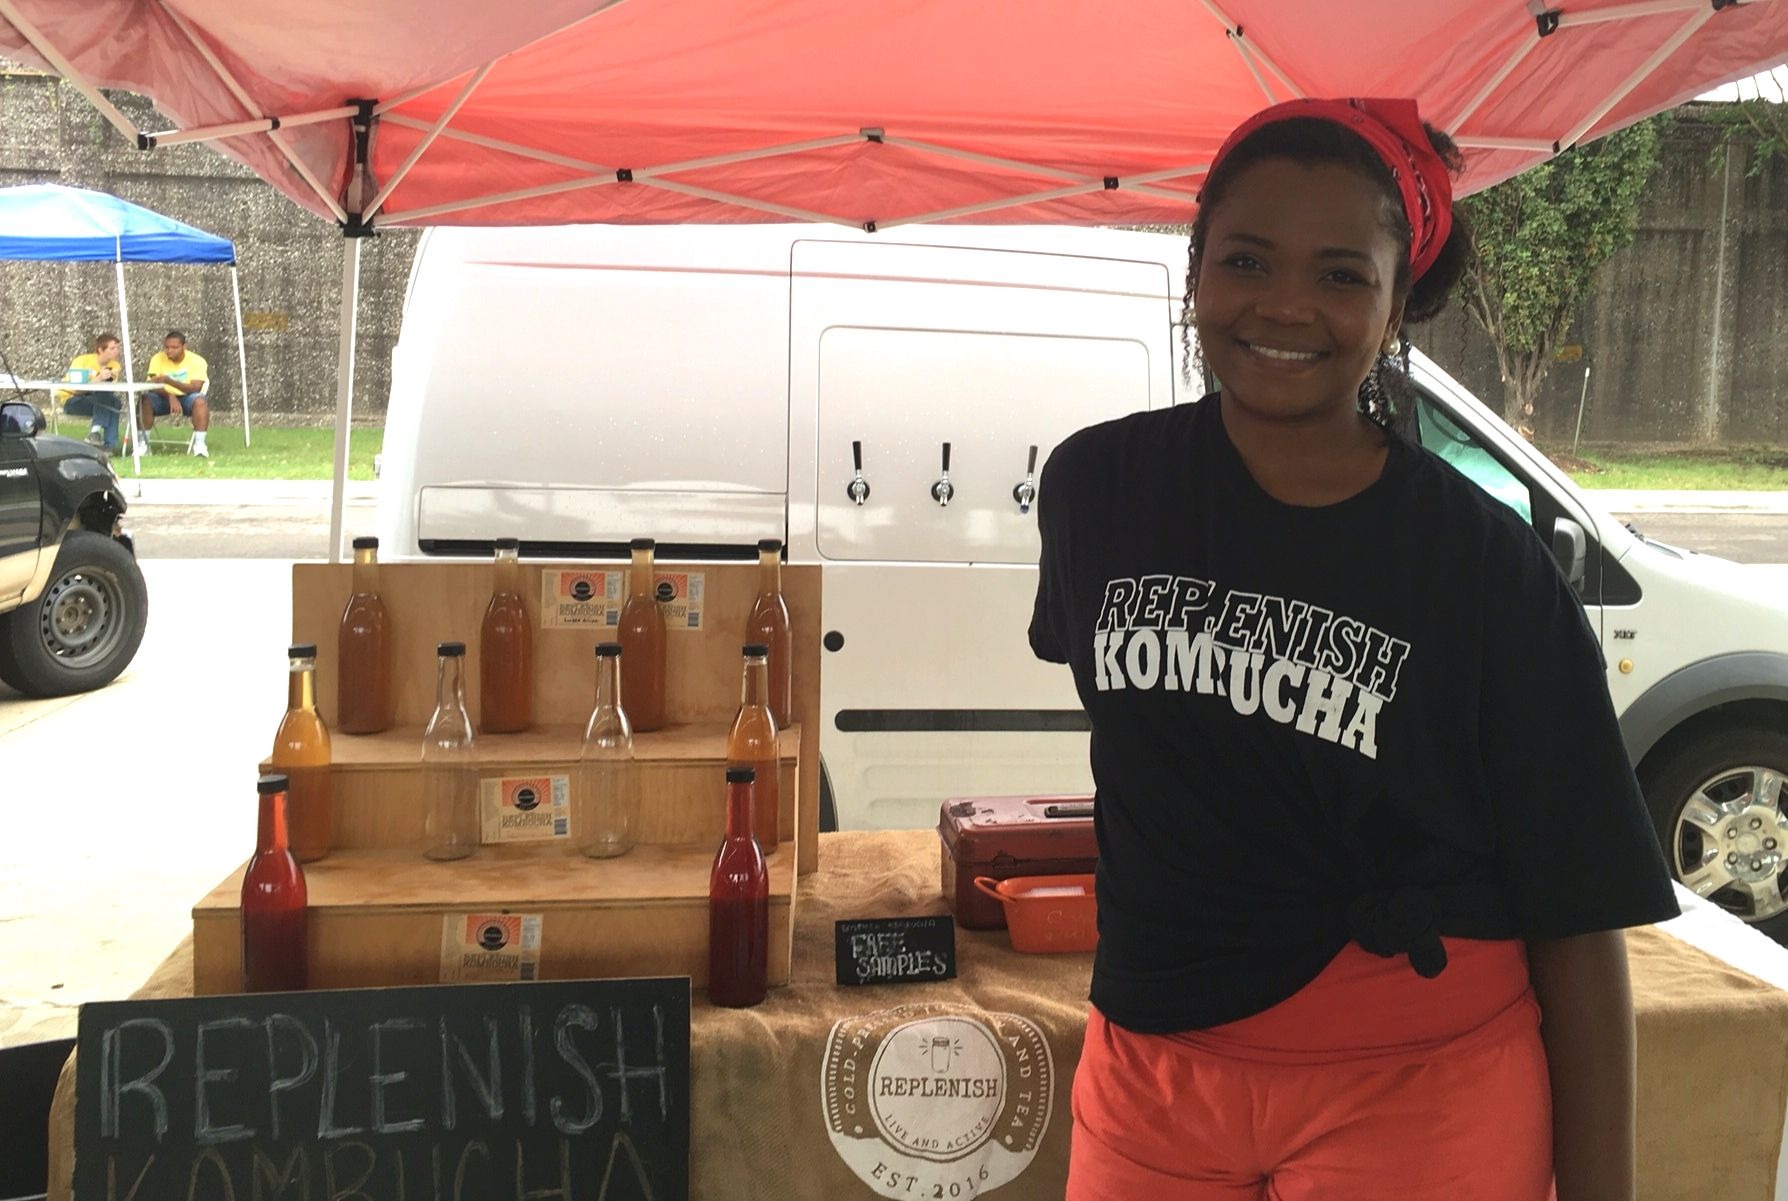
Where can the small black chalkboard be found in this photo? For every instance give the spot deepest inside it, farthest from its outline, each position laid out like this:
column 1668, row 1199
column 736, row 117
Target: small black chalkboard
column 564, row 1089
column 896, row 950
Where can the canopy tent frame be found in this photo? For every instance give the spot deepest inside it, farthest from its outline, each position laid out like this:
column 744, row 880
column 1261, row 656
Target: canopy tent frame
column 356, row 215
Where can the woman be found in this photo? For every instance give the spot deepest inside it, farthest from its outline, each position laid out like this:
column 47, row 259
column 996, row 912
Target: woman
column 1367, row 830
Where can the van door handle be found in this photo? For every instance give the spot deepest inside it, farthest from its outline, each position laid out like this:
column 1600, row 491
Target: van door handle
column 1026, row 491
column 858, row 488
column 944, row 491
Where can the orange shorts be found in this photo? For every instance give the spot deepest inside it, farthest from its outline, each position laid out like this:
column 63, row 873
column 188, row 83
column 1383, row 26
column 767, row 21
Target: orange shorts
column 1371, row 1084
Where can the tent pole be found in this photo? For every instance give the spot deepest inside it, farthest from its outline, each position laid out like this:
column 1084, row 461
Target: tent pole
column 130, row 397
column 64, row 68
column 344, row 387
column 241, row 354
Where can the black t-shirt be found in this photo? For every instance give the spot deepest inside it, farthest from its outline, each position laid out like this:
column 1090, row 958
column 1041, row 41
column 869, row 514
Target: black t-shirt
column 1383, row 720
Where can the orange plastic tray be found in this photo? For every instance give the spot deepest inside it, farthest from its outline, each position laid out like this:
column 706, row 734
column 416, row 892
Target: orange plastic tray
column 1046, row 914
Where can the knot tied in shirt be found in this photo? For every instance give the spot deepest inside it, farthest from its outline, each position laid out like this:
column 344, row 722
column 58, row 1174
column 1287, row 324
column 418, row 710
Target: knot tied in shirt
column 1400, row 921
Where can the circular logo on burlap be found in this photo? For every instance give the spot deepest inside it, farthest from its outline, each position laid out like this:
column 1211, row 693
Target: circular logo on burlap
column 936, row 1099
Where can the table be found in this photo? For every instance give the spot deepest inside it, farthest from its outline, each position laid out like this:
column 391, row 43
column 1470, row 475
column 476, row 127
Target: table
column 13, row 384
column 779, row 1100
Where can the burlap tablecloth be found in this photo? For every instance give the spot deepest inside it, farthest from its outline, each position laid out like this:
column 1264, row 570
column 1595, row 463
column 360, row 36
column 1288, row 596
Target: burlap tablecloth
column 776, row 1097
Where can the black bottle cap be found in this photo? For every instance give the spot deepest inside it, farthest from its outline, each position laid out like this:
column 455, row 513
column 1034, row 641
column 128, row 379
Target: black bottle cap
column 366, row 544
column 451, row 650
column 608, row 650
column 769, row 544
column 741, row 775
column 643, row 544
column 271, row 783
column 302, row 650
column 507, row 544
column 756, row 650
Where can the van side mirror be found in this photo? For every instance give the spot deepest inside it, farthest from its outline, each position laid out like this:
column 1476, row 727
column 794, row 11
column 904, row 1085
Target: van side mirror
column 20, row 420
column 1570, row 546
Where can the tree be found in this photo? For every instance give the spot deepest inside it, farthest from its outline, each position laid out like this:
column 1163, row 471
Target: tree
column 1759, row 114
column 1539, row 239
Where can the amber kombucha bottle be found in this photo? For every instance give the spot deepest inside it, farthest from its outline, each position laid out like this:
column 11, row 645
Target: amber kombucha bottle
column 275, row 904
column 642, row 645
column 506, row 650
column 753, row 744
column 769, row 624
column 365, row 701
column 738, row 905
column 301, row 751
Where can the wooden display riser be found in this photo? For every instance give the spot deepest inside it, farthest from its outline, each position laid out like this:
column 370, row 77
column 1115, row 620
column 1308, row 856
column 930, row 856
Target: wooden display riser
column 378, row 784
column 376, row 916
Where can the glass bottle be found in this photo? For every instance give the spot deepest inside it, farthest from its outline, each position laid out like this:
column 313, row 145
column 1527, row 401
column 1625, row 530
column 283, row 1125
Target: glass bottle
column 505, row 650
column 738, row 905
column 769, row 624
column 753, row 743
column 449, row 780
column 607, row 807
column 641, row 635
column 365, row 701
column 301, row 752
column 275, row 903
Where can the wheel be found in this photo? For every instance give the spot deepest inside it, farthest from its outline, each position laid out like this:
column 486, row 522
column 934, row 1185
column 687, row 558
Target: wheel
column 1719, row 804
column 828, row 814
column 86, row 626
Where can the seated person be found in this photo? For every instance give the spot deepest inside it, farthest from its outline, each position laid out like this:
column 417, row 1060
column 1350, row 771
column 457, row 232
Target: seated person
column 104, row 408
column 183, row 374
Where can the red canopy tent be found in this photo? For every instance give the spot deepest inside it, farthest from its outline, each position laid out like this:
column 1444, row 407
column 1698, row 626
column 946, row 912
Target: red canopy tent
column 414, row 112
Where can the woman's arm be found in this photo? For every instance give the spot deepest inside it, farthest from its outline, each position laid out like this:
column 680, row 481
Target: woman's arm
column 1586, row 1006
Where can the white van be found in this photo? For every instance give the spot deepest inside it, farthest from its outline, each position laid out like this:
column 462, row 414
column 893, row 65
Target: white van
column 711, row 386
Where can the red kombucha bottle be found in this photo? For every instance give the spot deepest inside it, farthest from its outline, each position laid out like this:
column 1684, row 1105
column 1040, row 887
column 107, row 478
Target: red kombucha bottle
column 275, row 906
column 738, row 905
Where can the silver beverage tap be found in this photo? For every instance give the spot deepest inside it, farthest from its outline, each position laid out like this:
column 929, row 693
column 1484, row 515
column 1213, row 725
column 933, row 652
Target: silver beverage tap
column 944, row 490
column 1026, row 491
column 858, row 488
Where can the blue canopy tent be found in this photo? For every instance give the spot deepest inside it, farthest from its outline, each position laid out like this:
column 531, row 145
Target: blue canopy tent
column 51, row 223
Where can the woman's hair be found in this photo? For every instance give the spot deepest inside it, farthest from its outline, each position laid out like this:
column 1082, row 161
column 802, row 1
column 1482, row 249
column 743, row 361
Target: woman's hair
column 103, row 341
column 1314, row 140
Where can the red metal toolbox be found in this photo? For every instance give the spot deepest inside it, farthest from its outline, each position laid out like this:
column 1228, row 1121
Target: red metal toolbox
column 1007, row 836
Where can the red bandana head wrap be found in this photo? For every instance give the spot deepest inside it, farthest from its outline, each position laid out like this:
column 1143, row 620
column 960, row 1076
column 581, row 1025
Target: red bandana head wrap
column 1394, row 130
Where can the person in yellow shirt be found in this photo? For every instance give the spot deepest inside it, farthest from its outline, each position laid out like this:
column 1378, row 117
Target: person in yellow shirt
column 183, row 375
column 104, row 408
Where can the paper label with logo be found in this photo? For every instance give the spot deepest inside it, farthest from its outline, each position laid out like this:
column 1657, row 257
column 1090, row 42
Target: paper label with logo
column 524, row 809
column 579, row 599
column 479, row 948
column 935, row 1100
column 679, row 595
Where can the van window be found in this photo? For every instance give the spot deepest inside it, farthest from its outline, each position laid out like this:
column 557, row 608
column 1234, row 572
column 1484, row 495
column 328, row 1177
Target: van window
column 1439, row 433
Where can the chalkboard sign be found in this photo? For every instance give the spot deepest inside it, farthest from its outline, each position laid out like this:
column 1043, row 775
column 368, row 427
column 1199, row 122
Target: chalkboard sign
column 573, row 1090
column 895, row 950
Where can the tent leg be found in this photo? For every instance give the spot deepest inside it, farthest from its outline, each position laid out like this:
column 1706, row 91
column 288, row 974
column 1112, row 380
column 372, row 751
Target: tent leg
column 241, row 355
column 344, row 387
column 130, row 397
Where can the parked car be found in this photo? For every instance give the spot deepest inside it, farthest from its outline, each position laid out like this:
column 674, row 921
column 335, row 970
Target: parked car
column 73, row 603
column 711, row 386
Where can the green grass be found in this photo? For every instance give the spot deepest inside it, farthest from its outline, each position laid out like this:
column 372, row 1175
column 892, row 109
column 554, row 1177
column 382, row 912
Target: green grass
column 1734, row 468
column 277, row 454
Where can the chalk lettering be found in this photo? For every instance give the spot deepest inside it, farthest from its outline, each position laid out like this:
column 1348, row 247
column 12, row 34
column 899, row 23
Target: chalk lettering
column 580, row 1017
column 380, row 1079
column 562, row 1191
column 326, row 1127
column 112, row 1179
column 307, row 1061
column 203, row 1132
column 489, row 1087
column 465, row 1159
column 623, row 1143
column 525, row 1019
column 111, row 1067
column 210, row 1156
column 354, row 1191
column 280, row 1179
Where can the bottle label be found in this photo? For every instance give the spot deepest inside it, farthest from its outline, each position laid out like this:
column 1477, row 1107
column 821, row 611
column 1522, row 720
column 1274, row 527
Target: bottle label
column 479, row 948
column 524, row 809
column 580, row 599
column 680, row 595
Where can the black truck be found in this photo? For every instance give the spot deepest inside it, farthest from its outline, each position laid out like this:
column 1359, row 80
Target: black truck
column 73, row 603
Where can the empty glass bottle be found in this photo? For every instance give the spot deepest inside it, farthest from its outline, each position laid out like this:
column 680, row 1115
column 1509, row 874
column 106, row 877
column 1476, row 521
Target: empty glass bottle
column 449, row 779
column 606, row 810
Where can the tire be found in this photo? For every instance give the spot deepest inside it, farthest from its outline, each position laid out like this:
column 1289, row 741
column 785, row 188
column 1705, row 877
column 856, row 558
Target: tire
column 828, row 813
column 86, row 626
column 1720, row 805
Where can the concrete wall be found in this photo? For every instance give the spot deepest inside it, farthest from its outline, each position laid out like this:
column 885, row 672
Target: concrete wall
column 290, row 265
column 1686, row 336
